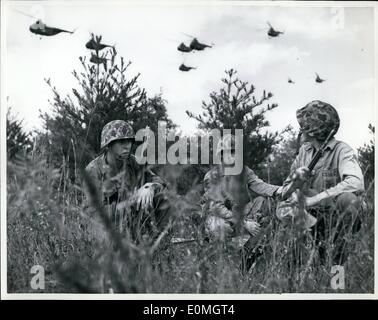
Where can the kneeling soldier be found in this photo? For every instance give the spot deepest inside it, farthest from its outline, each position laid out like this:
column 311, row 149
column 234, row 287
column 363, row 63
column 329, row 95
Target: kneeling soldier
column 132, row 195
column 331, row 189
column 232, row 210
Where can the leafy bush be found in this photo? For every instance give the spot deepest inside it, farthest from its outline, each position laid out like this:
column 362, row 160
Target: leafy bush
column 366, row 157
column 105, row 92
column 49, row 227
column 18, row 141
column 235, row 106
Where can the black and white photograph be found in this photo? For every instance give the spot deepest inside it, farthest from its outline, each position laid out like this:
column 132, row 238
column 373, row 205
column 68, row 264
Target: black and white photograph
column 188, row 149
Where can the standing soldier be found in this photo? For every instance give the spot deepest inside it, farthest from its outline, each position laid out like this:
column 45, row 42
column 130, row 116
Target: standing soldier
column 131, row 194
column 231, row 208
column 332, row 187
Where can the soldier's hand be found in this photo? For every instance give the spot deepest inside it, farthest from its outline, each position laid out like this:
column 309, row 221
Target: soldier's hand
column 252, row 227
column 145, row 197
column 224, row 213
column 312, row 201
column 301, row 175
column 294, row 198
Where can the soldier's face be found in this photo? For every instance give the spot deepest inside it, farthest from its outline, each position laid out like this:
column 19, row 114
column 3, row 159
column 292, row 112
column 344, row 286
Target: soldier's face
column 121, row 149
column 305, row 138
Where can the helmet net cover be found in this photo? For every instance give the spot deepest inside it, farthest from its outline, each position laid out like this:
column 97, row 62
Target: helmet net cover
column 116, row 130
column 317, row 119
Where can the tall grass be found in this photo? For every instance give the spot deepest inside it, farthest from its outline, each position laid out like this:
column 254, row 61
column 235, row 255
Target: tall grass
column 47, row 226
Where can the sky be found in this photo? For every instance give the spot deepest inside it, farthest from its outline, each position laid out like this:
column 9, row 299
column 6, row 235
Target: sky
column 336, row 43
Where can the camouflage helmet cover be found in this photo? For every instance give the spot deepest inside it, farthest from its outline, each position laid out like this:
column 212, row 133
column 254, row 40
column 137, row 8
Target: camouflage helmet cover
column 317, row 119
column 115, row 130
column 226, row 143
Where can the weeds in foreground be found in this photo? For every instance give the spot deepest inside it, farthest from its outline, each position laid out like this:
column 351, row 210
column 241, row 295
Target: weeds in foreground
column 47, row 226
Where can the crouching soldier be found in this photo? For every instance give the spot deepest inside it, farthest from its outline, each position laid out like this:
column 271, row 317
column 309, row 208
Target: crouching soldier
column 228, row 202
column 132, row 195
column 331, row 189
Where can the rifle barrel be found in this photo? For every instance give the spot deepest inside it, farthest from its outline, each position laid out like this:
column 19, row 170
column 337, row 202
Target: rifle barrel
column 321, row 150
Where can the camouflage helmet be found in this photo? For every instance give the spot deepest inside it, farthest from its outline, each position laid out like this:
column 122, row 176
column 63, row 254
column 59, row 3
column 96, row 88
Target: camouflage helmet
column 115, row 130
column 226, row 143
column 317, row 119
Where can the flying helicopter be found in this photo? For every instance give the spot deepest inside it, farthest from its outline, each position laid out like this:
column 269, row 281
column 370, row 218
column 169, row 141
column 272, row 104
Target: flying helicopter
column 42, row 29
column 272, row 32
column 185, row 68
column 196, row 45
column 184, row 48
column 95, row 44
column 318, row 79
column 290, row 81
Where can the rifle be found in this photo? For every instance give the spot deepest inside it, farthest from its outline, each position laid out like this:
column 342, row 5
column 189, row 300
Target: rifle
column 319, row 153
column 287, row 207
column 321, row 150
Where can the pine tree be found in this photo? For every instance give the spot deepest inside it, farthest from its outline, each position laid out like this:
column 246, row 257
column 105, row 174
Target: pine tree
column 105, row 92
column 279, row 162
column 18, row 141
column 366, row 158
column 235, row 106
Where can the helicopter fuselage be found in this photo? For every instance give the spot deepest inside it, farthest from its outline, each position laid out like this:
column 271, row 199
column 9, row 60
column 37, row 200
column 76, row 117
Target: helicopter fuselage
column 43, row 30
column 48, row 31
column 318, row 79
column 201, row 47
column 274, row 33
column 183, row 67
column 183, row 48
column 196, row 45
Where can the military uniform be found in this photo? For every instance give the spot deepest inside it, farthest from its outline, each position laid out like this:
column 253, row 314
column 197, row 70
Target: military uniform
column 337, row 176
column 234, row 212
column 117, row 187
column 229, row 200
column 336, row 172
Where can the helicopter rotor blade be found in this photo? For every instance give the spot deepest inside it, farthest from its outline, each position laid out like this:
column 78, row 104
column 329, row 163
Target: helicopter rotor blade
column 188, row 35
column 269, row 24
column 25, row 14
